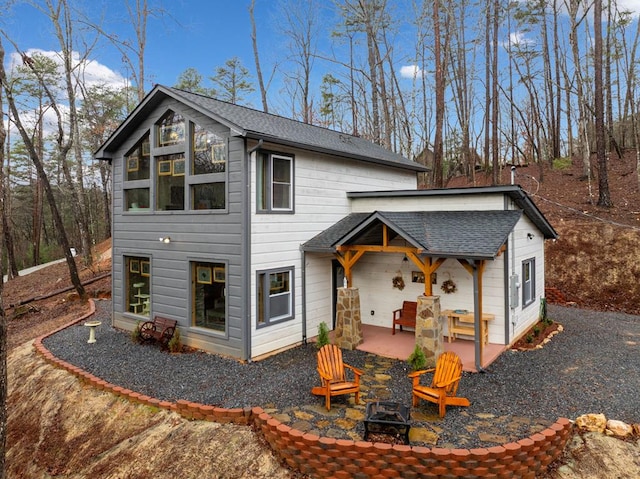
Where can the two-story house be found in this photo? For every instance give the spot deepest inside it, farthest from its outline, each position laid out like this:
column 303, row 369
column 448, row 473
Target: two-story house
column 234, row 222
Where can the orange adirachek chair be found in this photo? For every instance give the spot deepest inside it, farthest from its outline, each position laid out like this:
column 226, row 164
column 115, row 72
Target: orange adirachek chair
column 444, row 385
column 332, row 375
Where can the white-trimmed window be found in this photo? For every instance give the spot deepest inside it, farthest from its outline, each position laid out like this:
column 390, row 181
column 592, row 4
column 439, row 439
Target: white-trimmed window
column 275, row 296
column 274, row 183
column 528, row 281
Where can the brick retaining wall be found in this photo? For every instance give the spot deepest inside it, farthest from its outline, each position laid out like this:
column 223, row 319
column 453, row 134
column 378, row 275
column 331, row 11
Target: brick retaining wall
column 347, row 459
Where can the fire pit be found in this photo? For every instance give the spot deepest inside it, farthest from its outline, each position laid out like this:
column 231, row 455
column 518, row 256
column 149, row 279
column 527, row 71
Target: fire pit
column 387, row 418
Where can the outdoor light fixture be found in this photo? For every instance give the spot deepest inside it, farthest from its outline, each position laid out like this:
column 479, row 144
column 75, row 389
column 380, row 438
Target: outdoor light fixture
column 165, row 240
column 530, row 236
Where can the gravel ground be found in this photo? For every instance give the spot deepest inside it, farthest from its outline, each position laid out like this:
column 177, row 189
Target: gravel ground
column 591, row 367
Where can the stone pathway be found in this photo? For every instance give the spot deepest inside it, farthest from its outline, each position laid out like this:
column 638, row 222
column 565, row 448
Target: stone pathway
column 345, row 419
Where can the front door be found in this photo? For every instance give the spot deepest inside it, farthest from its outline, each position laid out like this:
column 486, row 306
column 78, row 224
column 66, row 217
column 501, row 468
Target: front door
column 338, row 278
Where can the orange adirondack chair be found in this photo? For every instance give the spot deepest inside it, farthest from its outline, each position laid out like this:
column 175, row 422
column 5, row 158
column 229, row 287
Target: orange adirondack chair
column 333, row 377
column 444, row 385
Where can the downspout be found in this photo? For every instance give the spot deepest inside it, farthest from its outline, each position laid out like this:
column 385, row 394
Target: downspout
column 512, row 306
column 304, row 297
column 246, row 220
column 476, row 319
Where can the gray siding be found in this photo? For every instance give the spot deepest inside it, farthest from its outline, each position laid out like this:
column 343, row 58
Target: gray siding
column 214, row 236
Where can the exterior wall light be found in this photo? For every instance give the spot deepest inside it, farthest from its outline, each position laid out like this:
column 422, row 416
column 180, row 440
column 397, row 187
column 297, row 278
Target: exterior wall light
column 165, row 240
column 530, row 236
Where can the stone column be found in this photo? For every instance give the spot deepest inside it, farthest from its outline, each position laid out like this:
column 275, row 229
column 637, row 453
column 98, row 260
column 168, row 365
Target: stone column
column 430, row 328
column 348, row 332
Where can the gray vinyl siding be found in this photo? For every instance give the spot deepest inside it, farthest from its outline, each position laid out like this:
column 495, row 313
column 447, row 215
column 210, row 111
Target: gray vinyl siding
column 213, row 236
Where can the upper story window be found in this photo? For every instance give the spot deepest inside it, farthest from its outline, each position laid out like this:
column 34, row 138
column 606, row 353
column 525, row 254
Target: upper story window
column 528, row 281
column 170, row 182
column 137, row 161
column 274, row 182
column 190, row 175
column 209, row 152
column 171, row 129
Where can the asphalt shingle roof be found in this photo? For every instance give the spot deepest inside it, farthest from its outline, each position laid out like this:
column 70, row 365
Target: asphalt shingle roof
column 458, row 234
column 258, row 125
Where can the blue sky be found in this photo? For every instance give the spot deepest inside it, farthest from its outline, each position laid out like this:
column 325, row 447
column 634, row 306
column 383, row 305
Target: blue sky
column 196, row 33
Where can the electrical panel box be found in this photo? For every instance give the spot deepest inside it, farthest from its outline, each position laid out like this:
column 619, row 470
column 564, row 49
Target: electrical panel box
column 514, row 282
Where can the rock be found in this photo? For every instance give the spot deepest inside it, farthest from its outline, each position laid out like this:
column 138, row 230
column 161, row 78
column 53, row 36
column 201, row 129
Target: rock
column 592, row 422
column 619, row 428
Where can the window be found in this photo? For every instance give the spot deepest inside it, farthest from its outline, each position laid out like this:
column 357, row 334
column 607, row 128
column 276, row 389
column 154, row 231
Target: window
column 208, row 167
column 275, row 182
column 208, row 196
column 528, row 281
column 170, row 173
column 137, row 161
column 209, row 152
column 137, row 167
column 209, row 281
column 170, row 129
column 138, row 280
column 275, row 298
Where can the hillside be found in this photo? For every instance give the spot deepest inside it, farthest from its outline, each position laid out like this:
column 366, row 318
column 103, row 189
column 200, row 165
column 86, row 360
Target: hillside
column 594, row 262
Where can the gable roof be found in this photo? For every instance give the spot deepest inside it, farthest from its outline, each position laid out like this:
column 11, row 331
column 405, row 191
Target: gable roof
column 446, row 234
column 254, row 124
column 513, row 192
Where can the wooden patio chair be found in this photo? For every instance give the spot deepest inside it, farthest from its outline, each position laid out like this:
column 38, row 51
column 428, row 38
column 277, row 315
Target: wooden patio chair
column 333, row 377
column 444, row 385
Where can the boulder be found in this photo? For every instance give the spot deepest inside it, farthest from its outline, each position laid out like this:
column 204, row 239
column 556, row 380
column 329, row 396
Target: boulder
column 619, row 428
column 592, row 422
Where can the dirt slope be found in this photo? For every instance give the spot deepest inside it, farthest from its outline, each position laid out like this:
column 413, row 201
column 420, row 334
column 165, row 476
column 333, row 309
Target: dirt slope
column 58, row 428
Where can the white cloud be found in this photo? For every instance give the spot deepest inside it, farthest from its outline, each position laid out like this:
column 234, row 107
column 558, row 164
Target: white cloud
column 518, row 39
column 411, row 71
column 629, row 5
column 90, row 71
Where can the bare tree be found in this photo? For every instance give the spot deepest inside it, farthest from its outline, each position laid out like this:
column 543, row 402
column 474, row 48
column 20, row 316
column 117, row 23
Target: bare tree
column 300, row 25
column 3, row 319
column 256, row 57
column 63, row 148
column 604, row 197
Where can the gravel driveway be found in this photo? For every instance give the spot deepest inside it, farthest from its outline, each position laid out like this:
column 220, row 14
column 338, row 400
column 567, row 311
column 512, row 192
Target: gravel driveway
column 591, row 367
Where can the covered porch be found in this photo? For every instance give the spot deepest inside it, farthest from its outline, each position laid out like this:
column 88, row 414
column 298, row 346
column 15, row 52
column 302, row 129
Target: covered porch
column 379, row 341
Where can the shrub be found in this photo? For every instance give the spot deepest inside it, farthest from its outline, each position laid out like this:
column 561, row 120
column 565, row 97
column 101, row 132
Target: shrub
column 529, row 338
column 323, row 335
column 135, row 334
column 536, row 331
column 417, row 360
column 175, row 344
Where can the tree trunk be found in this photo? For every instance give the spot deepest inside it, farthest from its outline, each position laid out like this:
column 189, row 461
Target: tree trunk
column 256, row 57
column 26, row 138
column 438, row 145
column 604, row 197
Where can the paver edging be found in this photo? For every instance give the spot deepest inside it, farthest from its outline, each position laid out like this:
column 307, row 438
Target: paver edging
column 524, row 458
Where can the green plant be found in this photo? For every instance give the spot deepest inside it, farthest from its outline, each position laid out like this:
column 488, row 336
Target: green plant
column 135, row 334
column 562, row 163
column 323, row 335
column 417, row 360
column 536, row 331
column 175, row 344
column 529, row 338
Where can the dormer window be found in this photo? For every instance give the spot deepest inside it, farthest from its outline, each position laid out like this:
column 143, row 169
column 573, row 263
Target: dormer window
column 171, row 129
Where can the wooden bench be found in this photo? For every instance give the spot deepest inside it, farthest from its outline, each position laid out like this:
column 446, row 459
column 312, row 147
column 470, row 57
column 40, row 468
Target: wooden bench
column 406, row 316
column 160, row 329
column 463, row 322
